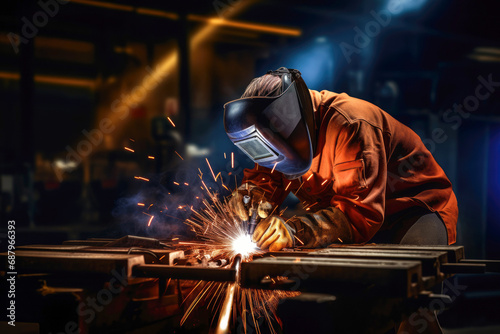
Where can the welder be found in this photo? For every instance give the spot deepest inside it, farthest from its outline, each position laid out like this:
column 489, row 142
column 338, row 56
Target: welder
column 362, row 175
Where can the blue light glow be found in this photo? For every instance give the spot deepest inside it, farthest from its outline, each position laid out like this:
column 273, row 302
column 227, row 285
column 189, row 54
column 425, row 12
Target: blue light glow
column 398, row 7
column 315, row 62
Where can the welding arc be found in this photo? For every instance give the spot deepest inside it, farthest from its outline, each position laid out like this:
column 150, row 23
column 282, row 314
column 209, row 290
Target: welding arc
column 225, row 313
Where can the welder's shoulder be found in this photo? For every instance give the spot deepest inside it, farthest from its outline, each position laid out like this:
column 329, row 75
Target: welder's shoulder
column 355, row 110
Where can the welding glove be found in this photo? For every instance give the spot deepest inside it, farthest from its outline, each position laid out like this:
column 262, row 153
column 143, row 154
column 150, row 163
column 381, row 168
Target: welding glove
column 257, row 201
column 273, row 234
column 322, row 228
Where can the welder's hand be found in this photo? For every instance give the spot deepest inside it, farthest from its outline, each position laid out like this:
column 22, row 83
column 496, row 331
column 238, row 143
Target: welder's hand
column 237, row 206
column 322, row 228
column 248, row 198
column 257, row 195
column 273, row 234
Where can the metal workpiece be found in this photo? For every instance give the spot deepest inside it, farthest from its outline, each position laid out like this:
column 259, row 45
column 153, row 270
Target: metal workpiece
column 490, row 266
column 339, row 276
column 236, row 266
column 164, row 256
column 223, row 325
column 126, row 241
column 88, row 242
column 455, row 253
column 31, row 261
column 463, row 268
column 186, row 272
column 430, row 260
column 201, row 273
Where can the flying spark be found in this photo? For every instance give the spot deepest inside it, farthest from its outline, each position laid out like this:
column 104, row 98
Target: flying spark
column 222, row 236
column 150, row 220
column 179, row 155
column 211, row 170
column 171, row 122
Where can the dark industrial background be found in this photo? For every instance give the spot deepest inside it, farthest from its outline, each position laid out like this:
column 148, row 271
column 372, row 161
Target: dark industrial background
column 82, row 80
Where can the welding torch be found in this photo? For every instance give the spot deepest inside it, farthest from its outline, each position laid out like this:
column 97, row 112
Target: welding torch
column 254, row 217
column 246, row 203
column 249, row 209
column 262, row 211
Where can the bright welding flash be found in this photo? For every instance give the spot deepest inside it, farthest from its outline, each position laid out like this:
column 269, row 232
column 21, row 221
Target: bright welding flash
column 244, row 245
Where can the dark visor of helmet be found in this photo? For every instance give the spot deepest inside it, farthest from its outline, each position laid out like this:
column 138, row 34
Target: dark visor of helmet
column 281, row 113
column 256, row 149
column 270, row 129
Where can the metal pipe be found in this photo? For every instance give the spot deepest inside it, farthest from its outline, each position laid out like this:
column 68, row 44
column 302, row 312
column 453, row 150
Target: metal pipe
column 225, row 313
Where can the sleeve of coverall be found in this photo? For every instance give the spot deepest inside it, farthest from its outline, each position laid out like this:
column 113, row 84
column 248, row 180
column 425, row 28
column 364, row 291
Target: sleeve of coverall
column 360, row 174
column 271, row 183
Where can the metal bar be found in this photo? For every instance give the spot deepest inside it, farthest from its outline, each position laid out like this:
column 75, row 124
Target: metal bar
column 336, row 275
column 430, row 260
column 86, row 242
column 227, row 306
column 75, row 262
column 166, row 256
column 185, row 272
column 463, row 268
column 492, row 266
column 135, row 241
column 455, row 253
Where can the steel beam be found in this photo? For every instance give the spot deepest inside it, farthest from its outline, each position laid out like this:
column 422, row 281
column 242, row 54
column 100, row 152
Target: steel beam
column 335, row 275
column 166, row 256
column 430, row 260
column 455, row 253
column 75, row 262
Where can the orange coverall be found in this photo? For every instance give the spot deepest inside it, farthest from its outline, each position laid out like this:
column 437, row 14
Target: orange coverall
column 366, row 164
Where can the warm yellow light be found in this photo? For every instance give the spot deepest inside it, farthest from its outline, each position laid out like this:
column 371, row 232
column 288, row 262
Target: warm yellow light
column 55, row 80
column 159, row 13
column 247, row 26
column 244, row 245
column 104, row 5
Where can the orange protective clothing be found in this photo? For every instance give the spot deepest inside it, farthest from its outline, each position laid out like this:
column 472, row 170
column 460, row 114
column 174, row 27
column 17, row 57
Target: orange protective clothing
column 366, row 164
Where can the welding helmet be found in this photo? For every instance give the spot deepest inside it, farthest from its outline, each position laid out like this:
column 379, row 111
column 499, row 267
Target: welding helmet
column 275, row 131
